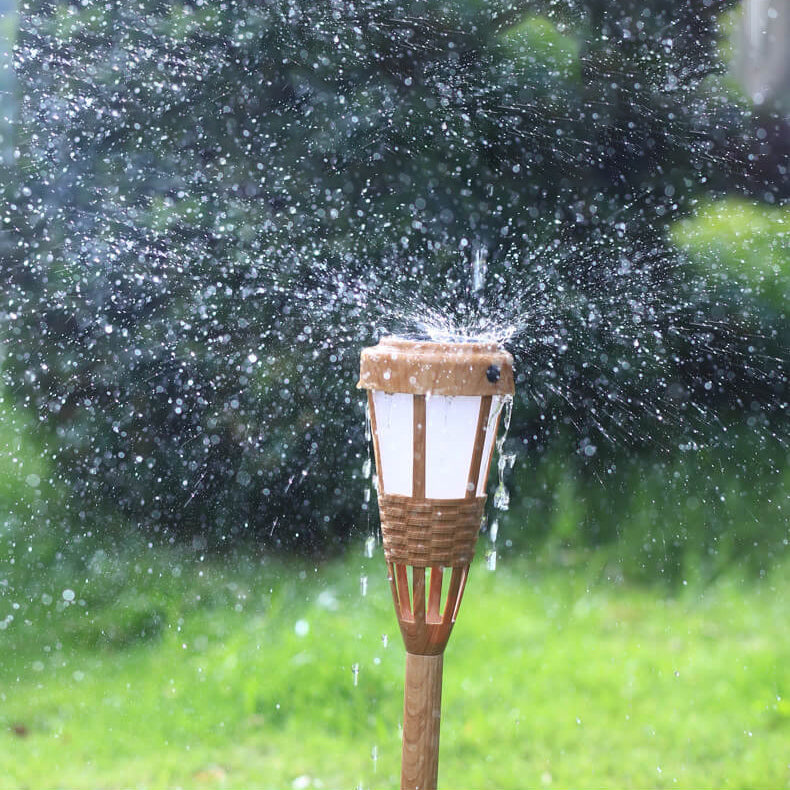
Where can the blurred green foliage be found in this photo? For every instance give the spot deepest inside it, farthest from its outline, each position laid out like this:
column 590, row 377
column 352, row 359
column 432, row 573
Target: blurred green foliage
column 686, row 519
column 536, row 44
column 743, row 243
column 24, row 467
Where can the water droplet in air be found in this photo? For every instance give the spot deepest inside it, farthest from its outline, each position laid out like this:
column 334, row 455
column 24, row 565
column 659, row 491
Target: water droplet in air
column 363, row 585
column 479, row 269
column 355, row 673
column 370, row 545
column 501, row 497
column 491, row 560
column 494, row 531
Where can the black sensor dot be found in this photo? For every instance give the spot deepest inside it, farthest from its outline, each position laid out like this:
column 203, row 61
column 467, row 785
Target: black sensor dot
column 493, row 373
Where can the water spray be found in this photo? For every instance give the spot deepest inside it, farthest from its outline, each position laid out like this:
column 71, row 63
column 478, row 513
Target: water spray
column 434, row 412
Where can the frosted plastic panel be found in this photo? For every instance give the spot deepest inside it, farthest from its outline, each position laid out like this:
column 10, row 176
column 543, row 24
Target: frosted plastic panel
column 394, row 413
column 496, row 407
column 449, row 443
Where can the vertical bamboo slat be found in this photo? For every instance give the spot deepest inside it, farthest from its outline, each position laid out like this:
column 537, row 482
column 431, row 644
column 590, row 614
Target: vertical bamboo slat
column 480, row 441
column 418, row 473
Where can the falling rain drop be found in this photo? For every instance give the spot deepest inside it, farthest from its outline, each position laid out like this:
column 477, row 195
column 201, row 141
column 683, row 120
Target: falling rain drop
column 491, row 560
column 355, row 673
column 479, row 269
column 370, row 546
column 363, row 586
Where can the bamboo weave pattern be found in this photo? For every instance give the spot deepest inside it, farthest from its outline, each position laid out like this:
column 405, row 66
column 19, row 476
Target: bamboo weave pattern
column 427, row 532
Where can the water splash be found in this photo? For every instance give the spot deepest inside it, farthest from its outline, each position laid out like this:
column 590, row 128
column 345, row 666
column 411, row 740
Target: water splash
column 504, row 460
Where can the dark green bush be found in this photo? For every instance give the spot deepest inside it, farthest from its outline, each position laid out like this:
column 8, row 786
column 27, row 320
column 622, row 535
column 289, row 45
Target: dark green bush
column 214, row 206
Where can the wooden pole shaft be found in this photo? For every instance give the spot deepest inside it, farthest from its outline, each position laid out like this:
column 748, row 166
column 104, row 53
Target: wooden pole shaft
column 422, row 709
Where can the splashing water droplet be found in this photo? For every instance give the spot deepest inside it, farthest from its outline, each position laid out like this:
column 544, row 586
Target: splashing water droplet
column 479, row 269
column 501, row 494
column 366, row 466
column 363, row 585
column 370, row 546
column 385, row 640
column 494, row 531
column 501, row 497
column 355, row 673
column 491, row 560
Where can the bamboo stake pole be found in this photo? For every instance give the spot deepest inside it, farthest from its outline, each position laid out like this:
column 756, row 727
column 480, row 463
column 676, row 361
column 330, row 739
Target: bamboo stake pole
column 422, row 709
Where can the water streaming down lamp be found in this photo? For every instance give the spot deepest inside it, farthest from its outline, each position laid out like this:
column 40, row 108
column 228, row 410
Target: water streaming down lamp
column 434, row 412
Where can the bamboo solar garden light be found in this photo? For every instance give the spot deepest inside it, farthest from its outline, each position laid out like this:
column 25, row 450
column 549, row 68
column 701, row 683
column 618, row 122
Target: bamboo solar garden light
column 434, row 411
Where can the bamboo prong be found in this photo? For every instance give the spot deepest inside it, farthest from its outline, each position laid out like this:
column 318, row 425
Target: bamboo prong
column 461, row 589
column 451, row 604
column 418, row 594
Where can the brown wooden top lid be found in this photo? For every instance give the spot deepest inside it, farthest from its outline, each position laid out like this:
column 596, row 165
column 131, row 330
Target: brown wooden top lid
column 421, row 367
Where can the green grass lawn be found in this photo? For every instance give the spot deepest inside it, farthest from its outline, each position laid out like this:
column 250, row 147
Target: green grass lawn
column 239, row 674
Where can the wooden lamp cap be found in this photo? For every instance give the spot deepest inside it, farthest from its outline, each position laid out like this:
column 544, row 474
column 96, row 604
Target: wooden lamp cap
column 424, row 367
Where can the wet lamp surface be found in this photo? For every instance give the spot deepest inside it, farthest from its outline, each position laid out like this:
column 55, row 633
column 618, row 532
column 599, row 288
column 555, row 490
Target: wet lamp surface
column 434, row 412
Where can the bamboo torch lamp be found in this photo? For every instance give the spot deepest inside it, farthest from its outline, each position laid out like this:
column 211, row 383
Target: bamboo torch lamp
column 434, row 412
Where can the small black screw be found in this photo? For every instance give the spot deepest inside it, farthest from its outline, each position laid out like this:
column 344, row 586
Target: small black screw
column 493, row 373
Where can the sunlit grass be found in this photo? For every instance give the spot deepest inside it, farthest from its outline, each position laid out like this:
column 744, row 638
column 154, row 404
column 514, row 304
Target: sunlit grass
column 246, row 680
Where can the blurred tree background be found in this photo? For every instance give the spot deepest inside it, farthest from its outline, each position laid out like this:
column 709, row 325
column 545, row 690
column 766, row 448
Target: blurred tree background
column 211, row 207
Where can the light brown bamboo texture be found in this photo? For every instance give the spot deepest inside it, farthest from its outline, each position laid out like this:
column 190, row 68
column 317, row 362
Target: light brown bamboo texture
column 422, row 708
